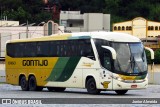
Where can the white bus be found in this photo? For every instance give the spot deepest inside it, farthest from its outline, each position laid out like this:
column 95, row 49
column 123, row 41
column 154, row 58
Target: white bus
column 97, row 61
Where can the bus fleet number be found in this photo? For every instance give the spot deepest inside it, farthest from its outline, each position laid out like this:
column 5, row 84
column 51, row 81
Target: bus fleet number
column 11, row 63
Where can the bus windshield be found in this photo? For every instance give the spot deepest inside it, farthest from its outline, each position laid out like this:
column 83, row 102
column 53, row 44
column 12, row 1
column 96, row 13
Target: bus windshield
column 131, row 58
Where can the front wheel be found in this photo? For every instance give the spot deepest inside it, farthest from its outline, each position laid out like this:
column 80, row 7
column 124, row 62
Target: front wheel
column 91, row 87
column 121, row 92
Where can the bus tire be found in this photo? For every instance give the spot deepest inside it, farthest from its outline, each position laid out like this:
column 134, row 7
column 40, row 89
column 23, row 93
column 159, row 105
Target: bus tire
column 121, row 92
column 24, row 84
column 91, row 87
column 33, row 84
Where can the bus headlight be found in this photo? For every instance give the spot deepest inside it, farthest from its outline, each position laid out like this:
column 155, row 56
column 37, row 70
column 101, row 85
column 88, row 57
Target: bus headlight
column 117, row 78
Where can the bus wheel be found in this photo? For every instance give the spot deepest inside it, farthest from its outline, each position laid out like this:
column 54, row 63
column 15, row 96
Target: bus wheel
column 121, row 92
column 91, row 87
column 33, row 84
column 24, row 84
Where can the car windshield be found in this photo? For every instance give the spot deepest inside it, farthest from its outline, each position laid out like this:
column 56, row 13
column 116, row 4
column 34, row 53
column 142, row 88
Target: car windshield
column 131, row 58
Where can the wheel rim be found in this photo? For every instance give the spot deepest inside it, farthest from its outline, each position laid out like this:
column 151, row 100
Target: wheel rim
column 23, row 83
column 92, row 86
column 32, row 83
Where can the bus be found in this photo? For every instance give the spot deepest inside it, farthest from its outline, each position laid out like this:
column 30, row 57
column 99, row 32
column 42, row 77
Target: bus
column 97, row 61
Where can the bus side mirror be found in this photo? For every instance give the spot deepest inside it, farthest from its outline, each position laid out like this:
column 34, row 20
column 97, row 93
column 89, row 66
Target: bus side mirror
column 112, row 50
column 151, row 51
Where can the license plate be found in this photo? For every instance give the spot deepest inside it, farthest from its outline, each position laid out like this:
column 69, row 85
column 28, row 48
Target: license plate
column 133, row 86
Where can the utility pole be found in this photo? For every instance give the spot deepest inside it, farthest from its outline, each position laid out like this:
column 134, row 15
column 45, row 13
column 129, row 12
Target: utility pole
column 27, row 30
column 1, row 12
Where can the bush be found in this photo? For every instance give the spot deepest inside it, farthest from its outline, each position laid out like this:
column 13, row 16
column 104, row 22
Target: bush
column 148, row 55
column 157, row 56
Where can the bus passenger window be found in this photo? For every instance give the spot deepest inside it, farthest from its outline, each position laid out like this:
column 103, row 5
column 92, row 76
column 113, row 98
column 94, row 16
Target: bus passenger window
column 107, row 61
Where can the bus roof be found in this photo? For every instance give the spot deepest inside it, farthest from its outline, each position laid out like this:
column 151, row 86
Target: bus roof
column 110, row 36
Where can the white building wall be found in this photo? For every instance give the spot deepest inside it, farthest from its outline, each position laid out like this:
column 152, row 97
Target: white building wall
column 8, row 23
column 95, row 22
column 85, row 19
column 106, row 22
column 91, row 21
column 139, row 27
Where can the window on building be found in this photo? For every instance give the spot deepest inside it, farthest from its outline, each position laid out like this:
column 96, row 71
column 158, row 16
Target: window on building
column 119, row 28
column 50, row 28
column 115, row 27
column 149, row 27
column 64, row 23
column 70, row 25
column 156, row 28
column 130, row 28
column 127, row 28
column 152, row 28
column 123, row 28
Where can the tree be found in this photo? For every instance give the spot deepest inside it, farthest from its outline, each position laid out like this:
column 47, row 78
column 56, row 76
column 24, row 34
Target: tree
column 157, row 56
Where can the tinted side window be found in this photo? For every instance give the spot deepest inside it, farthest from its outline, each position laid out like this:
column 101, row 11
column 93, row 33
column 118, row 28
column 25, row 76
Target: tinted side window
column 29, row 49
column 53, row 48
column 10, row 49
column 42, row 49
column 62, row 48
column 99, row 43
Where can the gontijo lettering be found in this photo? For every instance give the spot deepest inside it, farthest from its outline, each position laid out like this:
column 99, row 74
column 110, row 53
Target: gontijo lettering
column 35, row 62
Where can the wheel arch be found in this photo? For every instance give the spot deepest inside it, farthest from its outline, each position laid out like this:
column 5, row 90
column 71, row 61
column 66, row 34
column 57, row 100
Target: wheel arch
column 87, row 78
column 30, row 76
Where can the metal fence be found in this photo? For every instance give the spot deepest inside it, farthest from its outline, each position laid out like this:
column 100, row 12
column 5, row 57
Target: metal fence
column 4, row 37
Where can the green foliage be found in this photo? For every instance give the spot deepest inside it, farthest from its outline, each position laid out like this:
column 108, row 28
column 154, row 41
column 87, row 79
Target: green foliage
column 23, row 10
column 148, row 55
column 157, row 56
column 120, row 10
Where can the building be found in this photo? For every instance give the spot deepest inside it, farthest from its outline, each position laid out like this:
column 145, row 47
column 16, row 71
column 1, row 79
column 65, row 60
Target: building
column 8, row 23
column 12, row 30
column 74, row 21
column 148, row 31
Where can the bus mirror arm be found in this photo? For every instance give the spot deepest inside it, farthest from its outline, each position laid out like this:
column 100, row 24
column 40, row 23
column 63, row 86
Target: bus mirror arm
column 112, row 50
column 151, row 51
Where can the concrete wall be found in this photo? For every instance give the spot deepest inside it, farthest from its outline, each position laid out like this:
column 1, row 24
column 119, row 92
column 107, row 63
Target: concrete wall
column 86, row 22
column 154, row 74
column 95, row 21
column 106, row 22
column 8, row 23
column 2, row 72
